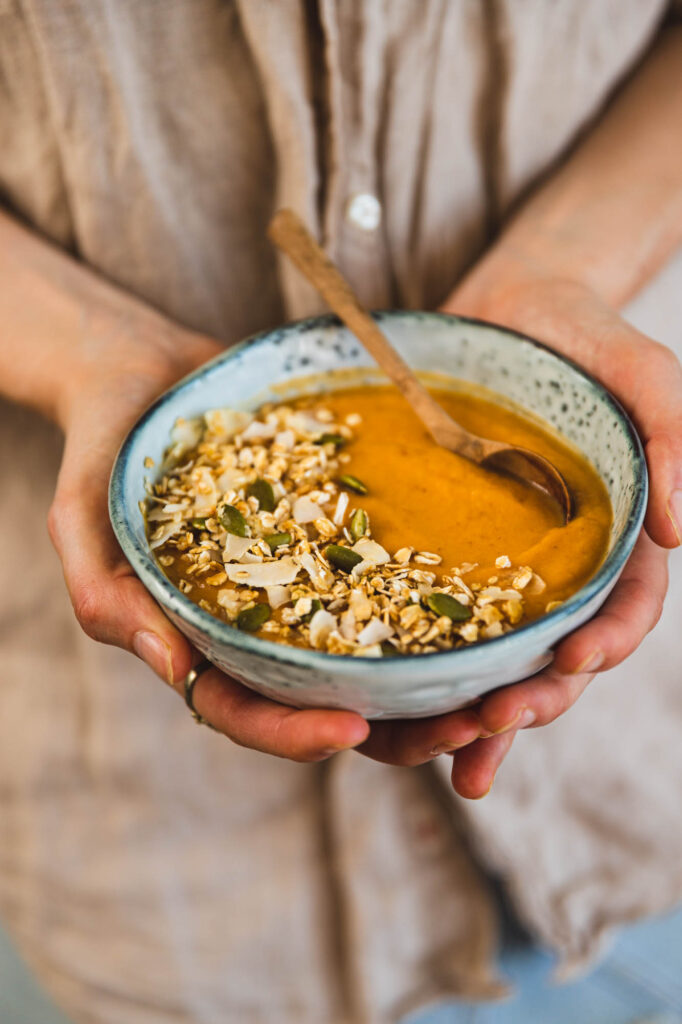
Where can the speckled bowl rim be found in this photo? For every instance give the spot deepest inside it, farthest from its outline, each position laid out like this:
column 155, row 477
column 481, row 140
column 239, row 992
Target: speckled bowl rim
column 170, row 597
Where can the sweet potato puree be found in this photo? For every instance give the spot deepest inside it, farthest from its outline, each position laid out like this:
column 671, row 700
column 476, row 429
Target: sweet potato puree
column 437, row 501
column 335, row 522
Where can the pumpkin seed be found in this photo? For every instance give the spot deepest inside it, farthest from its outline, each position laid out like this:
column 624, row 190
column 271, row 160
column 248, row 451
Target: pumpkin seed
column 262, row 490
column 389, row 651
column 444, row 604
column 336, row 439
column 359, row 522
column 198, row 524
column 276, row 540
column 342, row 558
column 251, row 619
column 352, row 483
column 233, row 521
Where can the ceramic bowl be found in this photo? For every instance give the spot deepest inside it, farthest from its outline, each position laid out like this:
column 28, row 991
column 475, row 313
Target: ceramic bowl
column 275, row 364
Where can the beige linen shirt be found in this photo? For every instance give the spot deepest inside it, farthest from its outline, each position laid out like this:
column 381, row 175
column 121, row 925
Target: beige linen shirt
column 154, row 873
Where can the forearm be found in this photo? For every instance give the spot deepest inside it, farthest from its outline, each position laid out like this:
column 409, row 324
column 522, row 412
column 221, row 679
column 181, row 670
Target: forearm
column 60, row 323
column 611, row 215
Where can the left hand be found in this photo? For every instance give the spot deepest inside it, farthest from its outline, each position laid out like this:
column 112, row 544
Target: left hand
column 647, row 379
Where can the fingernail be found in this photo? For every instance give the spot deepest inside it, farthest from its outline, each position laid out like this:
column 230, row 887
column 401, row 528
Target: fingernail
column 591, row 663
column 674, row 511
column 155, row 652
column 522, row 720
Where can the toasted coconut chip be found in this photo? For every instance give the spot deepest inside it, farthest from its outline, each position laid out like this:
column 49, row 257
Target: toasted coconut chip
column 264, row 574
column 306, row 424
column 286, row 439
column 231, row 479
column 361, row 568
column 159, row 515
column 374, row 633
column 321, row 625
column 373, row 651
column 223, row 424
column 236, row 547
column 348, row 628
column 278, row 595
column 340, row 510
column 321, row 578
column 360, row 604
column 165, row 531
column 185, row 435
column 371, row 552
column 306, row 511
column 257, row 431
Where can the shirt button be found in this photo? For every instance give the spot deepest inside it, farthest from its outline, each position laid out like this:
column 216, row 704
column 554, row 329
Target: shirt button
column 364, row 211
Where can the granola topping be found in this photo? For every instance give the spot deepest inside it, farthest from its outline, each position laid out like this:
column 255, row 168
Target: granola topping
column 255, row 519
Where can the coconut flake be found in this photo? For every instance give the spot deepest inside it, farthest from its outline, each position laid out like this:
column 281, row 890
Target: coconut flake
column 341, row 506
column 235, row 547
column 257, row 431
column 347, row 626
column 278, row 595
column 374, row 633
column 223, row 424
column 372, row 651
column 306, row 511
column 304, row 423
column 286, row 439
column 321, row 625
column 165, row 531
column 371, row 552
column 185, row 434
column 263, row 574
column 320, row 577
column 360, row 604
column 231, row 479
column 361, row 568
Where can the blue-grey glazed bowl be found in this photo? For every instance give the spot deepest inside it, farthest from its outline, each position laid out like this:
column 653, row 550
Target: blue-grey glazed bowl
column 275, row 365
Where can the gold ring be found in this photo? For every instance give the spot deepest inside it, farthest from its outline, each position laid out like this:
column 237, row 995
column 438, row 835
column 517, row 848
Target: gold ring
column 190, row 682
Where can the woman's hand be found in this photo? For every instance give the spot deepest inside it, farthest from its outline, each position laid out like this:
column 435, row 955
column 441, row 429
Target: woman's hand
column 647, row 379
column 122, row 364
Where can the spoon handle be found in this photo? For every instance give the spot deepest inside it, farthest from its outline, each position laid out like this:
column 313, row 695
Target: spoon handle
column 290, row 234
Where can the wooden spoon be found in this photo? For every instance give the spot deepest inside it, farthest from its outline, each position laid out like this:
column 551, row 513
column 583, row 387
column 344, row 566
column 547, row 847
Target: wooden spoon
column 290, row 234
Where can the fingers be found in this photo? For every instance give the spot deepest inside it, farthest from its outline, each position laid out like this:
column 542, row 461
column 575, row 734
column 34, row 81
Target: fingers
column 416, row 741
column 260, row 724
column 110, row 603
column 629, row 613
column 474, row 767
column 664, row 512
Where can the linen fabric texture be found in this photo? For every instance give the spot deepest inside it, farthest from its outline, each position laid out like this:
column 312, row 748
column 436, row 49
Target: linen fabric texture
column 153, row 873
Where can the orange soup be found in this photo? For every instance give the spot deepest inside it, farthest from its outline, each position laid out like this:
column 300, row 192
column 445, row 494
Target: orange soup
column 336, row 522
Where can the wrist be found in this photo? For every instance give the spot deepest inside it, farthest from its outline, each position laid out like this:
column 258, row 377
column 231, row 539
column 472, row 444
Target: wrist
column 502, row 285
column 123, row 351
